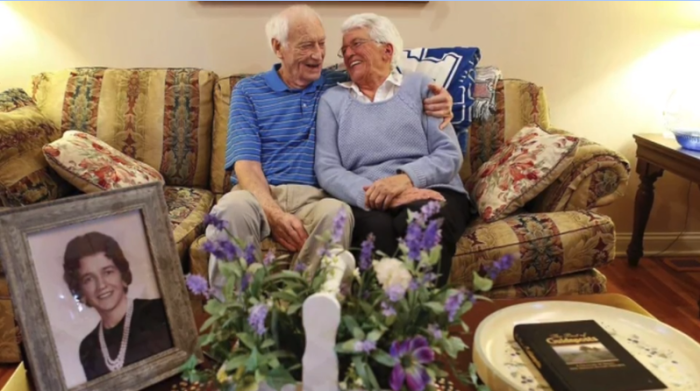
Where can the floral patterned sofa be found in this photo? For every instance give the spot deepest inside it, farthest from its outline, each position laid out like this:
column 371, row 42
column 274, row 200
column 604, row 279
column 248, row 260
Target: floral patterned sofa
column 558, row 239
column 175, row 120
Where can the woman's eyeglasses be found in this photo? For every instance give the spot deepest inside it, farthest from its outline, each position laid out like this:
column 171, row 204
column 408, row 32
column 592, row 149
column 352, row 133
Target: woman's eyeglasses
column 354, row 45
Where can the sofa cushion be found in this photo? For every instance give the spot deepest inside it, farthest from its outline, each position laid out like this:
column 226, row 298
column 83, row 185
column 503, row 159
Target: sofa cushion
column 545, row 245
column 220, row 178
column 25, row 178
column 162, row 117
column 587, row 282
column 92, row 165
column 519, row 171
column 186, row 208
column 453, row 68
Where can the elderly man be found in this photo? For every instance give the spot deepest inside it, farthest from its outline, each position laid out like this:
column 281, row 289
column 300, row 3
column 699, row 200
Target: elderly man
column 271, row 143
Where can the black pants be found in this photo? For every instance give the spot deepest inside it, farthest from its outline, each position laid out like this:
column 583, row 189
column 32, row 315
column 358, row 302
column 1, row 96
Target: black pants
column 390, row 225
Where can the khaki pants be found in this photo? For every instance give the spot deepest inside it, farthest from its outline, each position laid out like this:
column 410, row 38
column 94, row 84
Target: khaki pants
column 247, row 221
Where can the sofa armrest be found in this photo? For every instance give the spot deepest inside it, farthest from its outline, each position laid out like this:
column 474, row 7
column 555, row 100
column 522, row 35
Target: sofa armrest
column 596, row 177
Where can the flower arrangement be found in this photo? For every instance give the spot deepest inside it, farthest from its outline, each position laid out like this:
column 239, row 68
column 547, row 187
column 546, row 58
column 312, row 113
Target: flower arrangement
column 395, row 332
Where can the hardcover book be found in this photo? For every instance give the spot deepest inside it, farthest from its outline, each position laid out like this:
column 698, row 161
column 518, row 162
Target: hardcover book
column 582, row 356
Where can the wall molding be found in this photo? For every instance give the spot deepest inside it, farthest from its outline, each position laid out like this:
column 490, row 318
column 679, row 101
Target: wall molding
column 654, row 242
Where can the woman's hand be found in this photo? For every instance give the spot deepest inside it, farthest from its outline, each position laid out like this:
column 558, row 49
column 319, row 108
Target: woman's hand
column 382, row 192
column 414, row 194
column 439, row 105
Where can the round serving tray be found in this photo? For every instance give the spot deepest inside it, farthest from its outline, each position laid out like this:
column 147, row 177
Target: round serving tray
column 669, row 354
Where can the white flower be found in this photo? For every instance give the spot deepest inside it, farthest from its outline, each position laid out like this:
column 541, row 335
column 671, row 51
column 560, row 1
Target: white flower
column 391, row 272
column 356, row 273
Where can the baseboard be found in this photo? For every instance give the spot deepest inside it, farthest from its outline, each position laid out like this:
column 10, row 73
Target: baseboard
column 654, row 242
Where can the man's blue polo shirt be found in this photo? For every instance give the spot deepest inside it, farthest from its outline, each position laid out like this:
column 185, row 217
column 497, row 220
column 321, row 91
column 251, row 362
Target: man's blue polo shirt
column 276, row 126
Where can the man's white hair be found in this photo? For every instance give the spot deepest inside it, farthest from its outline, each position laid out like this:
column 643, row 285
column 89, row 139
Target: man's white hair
column 380, row 29
column 278, row 25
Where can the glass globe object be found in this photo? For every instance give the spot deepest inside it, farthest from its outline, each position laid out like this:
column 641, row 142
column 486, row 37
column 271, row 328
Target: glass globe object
column 682, row 116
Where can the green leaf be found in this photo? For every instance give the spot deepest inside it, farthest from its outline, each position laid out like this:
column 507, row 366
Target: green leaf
column 247, row 340
column 252, row 363
column 267, row 343
column 481, row 283
column 229, row 289
column 206, row 339
column 190, row 364
column 258, row 278
column 286, row 296
column 372, row 378
column 437, row 308
column 361, row 371
column 453, row 346
column 208, row 323
column 235, row 362
column 435, row 255
column 354, row 328
column 484, row 298
column 366, row 308
column 383, row 358
column 293, row 308
column 374, row 335
column 465, row 327
column 346, row 347
column 214, row 308
column 279, row 377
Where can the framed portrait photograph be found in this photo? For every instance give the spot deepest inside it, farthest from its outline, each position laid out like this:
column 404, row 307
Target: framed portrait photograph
column 98, row 290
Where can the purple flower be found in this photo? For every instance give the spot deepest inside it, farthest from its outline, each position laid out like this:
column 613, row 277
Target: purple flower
column 365, row 346
column 505, row 263
column 300, row 267
column 324, row 251
column 257, row 318
column 388, row 310
column 211, row 219
column 471, row 297
column 411, row 356
column 432, row 236
column 413, row 240
column 435, row 331
column 413, row 285
column 249, row 255
column 429, row 277
column 453, row 303
column 339, row 225
column 366, row 252
column 396, row 293
column 245, row 281
column 197, row 285
column 430, row 209
column 269, row 258
column 223, row 249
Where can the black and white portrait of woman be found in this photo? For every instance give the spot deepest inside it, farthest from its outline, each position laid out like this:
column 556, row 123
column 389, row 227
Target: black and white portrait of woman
column 98, row 274
column 99, row 289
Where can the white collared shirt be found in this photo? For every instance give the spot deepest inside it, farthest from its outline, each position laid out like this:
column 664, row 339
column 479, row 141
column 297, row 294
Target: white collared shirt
column 385, row 91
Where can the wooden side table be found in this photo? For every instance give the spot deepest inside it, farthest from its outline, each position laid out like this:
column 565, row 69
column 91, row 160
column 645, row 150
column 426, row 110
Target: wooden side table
column 656, row 153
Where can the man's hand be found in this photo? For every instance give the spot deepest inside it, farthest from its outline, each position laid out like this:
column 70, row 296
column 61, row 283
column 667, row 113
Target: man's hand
column 380, row 194
column 288, row 230
column 439, row 105
column 414, row 194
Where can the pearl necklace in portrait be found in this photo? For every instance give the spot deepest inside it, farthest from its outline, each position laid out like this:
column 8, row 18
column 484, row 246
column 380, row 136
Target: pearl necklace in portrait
column 118, row 362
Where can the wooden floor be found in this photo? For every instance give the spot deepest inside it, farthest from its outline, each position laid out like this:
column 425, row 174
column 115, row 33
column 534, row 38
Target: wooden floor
column 669, row 295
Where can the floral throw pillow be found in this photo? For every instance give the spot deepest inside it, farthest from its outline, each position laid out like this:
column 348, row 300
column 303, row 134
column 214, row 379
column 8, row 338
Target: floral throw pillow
column 92, row 165
column 520, row 170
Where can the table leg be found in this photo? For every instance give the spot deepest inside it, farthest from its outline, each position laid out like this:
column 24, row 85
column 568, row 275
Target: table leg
column 648, row 174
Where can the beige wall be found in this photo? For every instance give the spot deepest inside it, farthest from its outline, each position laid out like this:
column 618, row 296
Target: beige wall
column 607, row 67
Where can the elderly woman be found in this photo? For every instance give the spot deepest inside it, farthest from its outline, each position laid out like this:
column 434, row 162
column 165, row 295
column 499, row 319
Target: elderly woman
column 378, row 151
column 98, row 275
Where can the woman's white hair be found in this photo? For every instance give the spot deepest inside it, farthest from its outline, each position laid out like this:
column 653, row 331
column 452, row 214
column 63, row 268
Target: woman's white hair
column 380, row 29
column 278, row 25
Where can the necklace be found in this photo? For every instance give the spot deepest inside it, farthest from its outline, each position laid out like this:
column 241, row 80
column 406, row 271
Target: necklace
column 118, row 362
